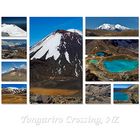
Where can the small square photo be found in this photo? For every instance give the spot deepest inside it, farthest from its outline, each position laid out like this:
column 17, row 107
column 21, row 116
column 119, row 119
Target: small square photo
column 112, row 60
column 98, row 94
column 14, row 49
column 14, row 71
column 112, row 26
column 126, row 93
column 14, row 93
column 14, row 27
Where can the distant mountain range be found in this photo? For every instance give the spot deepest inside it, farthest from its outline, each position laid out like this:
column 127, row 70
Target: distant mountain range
column 112, row 27
column 13, row 47
column 13, row 90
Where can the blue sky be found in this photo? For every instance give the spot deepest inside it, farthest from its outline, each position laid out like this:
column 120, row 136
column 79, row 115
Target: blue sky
column 6, row 66
column 14, row 20
column 14, row 85
column 122, row 85
column 93, row 22
column 19, row 21
column 42, row 26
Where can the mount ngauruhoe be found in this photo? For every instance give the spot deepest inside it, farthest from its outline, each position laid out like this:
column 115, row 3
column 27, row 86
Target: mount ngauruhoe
column 56, row 60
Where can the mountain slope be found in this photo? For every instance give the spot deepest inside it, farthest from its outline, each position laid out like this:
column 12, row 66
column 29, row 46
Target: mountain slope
column 133, row 88
column 15, row 75
column 12, row 30
column 57, row 57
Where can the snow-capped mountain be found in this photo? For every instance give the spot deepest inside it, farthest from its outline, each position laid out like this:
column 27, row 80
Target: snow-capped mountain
column 58, row 54
column 13, row 90
column 111, row 27
column 75, row 31
column 12, row 31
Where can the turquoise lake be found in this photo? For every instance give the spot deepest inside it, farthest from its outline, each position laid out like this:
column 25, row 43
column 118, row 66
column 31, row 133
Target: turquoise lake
column 121, row 96
column 100, row 54
column 120, row 65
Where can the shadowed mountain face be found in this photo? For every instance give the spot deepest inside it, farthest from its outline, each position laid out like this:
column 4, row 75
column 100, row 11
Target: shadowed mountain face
column 57, row 59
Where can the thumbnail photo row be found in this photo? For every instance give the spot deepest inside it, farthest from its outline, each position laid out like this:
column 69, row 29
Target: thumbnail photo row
column 94, row 94
column 95, row 26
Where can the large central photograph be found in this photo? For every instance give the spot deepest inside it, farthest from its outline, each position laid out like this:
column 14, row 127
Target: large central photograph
column 56, row 60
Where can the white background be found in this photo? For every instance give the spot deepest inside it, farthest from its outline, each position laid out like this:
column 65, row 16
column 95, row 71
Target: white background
column 22, row 122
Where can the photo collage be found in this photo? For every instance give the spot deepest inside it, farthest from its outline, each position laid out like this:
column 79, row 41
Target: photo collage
column 69, row 60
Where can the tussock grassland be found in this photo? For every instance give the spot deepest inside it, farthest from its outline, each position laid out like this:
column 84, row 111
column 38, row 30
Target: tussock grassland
column 44, row 91
column 13, row 99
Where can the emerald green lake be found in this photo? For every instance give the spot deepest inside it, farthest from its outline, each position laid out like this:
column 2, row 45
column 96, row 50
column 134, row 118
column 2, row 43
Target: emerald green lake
column 94, row 61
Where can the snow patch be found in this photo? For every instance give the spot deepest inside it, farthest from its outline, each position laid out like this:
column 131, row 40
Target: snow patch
column 76, row 73
column 67, row 56
column 13, row 30
column 75, row 31
column 59, row 71
column 12, row 88
column 112, row 27
column 59, row 62
column 49, row 45
column 79, row 42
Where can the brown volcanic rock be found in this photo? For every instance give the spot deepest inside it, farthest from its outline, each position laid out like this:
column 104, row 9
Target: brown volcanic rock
column 98, row 94
column 111, row 33
column 57, row 99
column 112, row 46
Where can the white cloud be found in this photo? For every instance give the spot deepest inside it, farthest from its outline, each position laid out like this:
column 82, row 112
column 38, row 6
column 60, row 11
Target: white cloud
column 23, row 66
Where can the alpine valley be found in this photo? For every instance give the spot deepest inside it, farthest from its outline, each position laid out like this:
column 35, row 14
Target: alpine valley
column 56, row 68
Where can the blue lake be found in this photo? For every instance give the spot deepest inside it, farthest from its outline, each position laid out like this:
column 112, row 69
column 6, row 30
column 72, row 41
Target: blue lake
column 120, row 65
column 121, row 96
column 100, row 53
